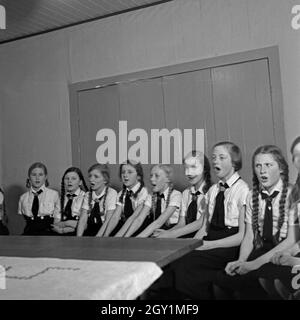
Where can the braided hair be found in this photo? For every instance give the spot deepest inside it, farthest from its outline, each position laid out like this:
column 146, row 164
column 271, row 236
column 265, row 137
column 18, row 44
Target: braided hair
column 35, row 165
column 140, row 175
column 169, row 173
column 283, row 166
column 104, row 170
column 295, row 194
column 62, row 184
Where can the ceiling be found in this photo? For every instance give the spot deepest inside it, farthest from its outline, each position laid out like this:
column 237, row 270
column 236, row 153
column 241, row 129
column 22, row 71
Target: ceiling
column 25, row 18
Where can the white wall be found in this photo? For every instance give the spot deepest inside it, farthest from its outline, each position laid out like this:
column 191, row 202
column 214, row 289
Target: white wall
column 35, row 72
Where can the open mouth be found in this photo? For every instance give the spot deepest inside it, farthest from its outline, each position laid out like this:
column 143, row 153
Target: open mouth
column 217, row 169
column 264, row 179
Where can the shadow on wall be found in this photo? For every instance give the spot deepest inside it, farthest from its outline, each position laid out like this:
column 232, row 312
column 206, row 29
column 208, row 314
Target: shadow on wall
column 16, row 222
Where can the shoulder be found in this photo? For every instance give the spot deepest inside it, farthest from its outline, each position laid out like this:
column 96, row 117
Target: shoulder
column 1, row 197
column 51, row 192
column 112, row 192
column 82, row 193
column 144, row 191
column 24, row 195
column 120, row 193
column 175, row 193
column 186, row 192
column 212, row 190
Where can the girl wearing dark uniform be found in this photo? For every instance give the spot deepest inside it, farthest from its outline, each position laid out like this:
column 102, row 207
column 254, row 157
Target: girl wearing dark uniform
column 40, row 205
column 99, row 202
column 73, row 190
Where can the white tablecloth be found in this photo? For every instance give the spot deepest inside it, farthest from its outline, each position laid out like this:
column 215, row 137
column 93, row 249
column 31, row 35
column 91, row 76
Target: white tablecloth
column 45, row 278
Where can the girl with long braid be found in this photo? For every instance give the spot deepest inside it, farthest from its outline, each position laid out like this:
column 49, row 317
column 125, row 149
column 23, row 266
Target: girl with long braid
column 280, row 275
column 73, row 188
column 161, row 209
column 99, row 202
column 269, row 225
column 130, row 200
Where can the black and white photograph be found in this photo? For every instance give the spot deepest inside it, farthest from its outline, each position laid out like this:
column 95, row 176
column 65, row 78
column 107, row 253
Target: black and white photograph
column 150, row 151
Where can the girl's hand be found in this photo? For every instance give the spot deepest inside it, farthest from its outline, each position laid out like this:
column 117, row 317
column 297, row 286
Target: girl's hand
column 231, row 267
column 60, row 224
column 246, row 267
column 278, row 255
column 157, row 232
column 164, row 234
column 57, row 229
column 288, row 260
column 206, row 245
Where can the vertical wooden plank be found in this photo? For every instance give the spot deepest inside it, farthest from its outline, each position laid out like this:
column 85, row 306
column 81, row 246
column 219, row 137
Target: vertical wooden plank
column 141, row 105
column 188, row 103
column 98, row 109
column 242, row 107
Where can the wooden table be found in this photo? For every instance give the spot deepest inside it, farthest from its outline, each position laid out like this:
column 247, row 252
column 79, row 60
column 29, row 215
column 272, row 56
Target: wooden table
column 40, row 267
column 160, row 251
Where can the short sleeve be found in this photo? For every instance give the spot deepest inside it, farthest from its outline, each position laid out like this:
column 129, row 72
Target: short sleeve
column 20, row 205
column 56, row 213
column 243, row 195
column 249, row 211
column 142, row 197
column 85, row 203
column 111, row 200
column 118, row 198
column 184, row 203
column 148, row 201
column 175, row 199
column 1, row 198
column 293, row 215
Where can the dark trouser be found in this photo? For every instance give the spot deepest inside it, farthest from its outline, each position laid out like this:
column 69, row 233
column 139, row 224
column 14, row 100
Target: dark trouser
column 192, row 276
column 245, row 286
column 40, row 226
column 271, row 272
column 3, row 229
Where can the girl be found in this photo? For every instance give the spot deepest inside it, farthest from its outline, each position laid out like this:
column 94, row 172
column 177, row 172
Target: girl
column 73, row 189
column 192, row 276
column 161, row 209
column 269, row 226
column 99, row 203
column 131, row 200
column 197, row 171
column 39, row 205
column 3, row 218
column 284, row 260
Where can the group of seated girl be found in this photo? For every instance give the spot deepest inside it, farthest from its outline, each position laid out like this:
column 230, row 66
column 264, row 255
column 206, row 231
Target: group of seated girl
column 249, row 237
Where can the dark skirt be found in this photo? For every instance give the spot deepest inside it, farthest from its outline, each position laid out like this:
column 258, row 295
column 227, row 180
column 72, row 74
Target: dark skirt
column 3, row 229
column 192, row 275
column 40, row 226
column 245, row 287
column 94, row 223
